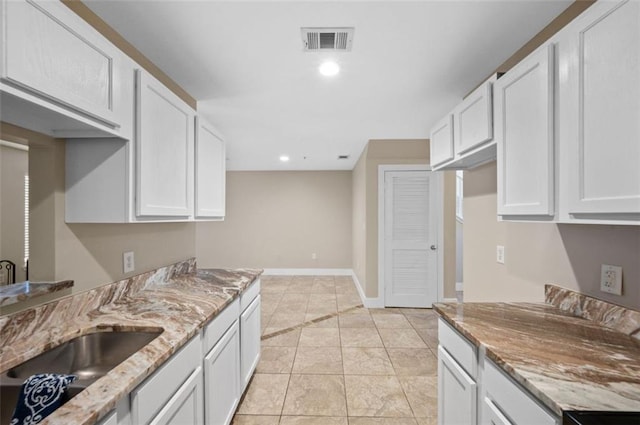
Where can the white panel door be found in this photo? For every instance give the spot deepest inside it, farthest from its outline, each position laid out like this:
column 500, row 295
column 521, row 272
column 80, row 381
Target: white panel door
column 165, row 139
column 524, row 134
column 410, row 232
column 210, row 172
column 50, row 51
column 441, row 140
column 222, row 365
column 457, row 393
column 601, row 107
column 249, row 341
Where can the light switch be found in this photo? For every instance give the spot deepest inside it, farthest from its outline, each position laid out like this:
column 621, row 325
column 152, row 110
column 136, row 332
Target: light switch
column 500, row 254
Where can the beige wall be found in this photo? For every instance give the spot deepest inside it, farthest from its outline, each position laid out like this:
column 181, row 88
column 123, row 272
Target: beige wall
column 89, row 254
column 13, row 168
column 568, row 255
column 379, row 152
column 277, row 219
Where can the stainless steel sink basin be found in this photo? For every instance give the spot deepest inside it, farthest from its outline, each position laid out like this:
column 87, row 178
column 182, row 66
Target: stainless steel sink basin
column 89, row 357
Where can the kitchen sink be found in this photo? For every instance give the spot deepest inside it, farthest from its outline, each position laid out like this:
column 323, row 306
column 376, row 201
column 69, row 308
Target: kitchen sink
column 89, row 357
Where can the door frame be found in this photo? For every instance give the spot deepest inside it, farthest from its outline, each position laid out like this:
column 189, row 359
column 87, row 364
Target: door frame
column 382, row 169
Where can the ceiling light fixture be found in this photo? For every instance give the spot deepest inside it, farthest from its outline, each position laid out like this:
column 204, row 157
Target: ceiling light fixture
column 284, row 158
column 329, row 69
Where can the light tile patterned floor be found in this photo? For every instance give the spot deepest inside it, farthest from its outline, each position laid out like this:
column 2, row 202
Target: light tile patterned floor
column 326, row 360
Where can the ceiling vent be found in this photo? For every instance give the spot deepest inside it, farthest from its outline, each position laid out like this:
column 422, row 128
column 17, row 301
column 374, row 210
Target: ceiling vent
column 327, row 39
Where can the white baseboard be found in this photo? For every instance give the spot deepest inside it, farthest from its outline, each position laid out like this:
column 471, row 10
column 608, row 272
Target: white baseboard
column 307, row 272
column 459, row 286
column 367, row 302
column 449, row 300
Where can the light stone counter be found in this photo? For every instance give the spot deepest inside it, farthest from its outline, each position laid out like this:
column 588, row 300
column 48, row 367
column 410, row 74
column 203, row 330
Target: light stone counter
column 576, row 354
column 178, row 299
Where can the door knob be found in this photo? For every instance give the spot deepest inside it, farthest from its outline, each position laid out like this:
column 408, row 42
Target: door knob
column 433, row 247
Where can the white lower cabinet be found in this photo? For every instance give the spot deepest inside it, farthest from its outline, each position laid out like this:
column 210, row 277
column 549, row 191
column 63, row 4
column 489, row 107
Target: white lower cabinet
column 479, row 392
column 508, row 403
column 222, row 377
column 457, row 392
column 203, row 382
column 250, row 340
column 172, row 392
column 185, row 407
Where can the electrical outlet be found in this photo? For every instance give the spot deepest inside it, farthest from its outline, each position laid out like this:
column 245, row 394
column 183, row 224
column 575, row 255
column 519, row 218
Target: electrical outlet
column 611, row 279
column 128, row 262
column 314, row 256
column 500, row 254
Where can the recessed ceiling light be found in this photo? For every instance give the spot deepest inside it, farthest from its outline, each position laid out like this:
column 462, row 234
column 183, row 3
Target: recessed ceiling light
column 329, row 69
column 284, row 158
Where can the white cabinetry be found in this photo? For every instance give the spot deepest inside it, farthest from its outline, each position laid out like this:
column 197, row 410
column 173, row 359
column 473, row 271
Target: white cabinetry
column 147, row 178
column 185, row 407
column 173, row 394
column 457, row 392
column 507, row 403
column 464, row 138
column 474, row 119
column 600, row 112
column 164, row 150
column 457, row 370
column 441, row 140
column 524, row 133
column 249, row 333
column 210, row 164
column 222, row 365
column 59, row 76
column 472, row 390
column 567, row 123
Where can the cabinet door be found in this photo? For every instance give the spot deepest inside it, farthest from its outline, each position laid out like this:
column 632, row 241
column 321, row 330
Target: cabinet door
column 222, row 364
column 474, row 120
column 51, row 52
column 524, row 99
column 165, row 139
column 493, row 415
column 185, row 407
column 457, row 392
column 600, row 98
column 442, row 141
column 249, row 341
column 210, row 172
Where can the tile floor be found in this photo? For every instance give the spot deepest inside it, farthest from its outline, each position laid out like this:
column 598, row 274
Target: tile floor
column 326, row 360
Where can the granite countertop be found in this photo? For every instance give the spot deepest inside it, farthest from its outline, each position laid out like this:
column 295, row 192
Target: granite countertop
column 567, row 362
column 178, row 302
column 16, row 292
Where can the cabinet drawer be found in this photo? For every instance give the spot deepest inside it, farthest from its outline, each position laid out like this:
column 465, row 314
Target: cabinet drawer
column 154, row 393
column 463, row 351
column 250, row 294
column 219, row 325
column 512, row 401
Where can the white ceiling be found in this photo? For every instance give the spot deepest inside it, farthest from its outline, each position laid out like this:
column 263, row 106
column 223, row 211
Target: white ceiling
column 411, row 62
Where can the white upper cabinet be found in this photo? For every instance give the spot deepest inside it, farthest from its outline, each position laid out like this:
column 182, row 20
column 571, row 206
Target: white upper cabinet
column 164, row 151
column 59, row 71
column 210, row 172
column 464, row 138
column 524, row 104
column 441, row 140
column 600, row 112
column 474, row 119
